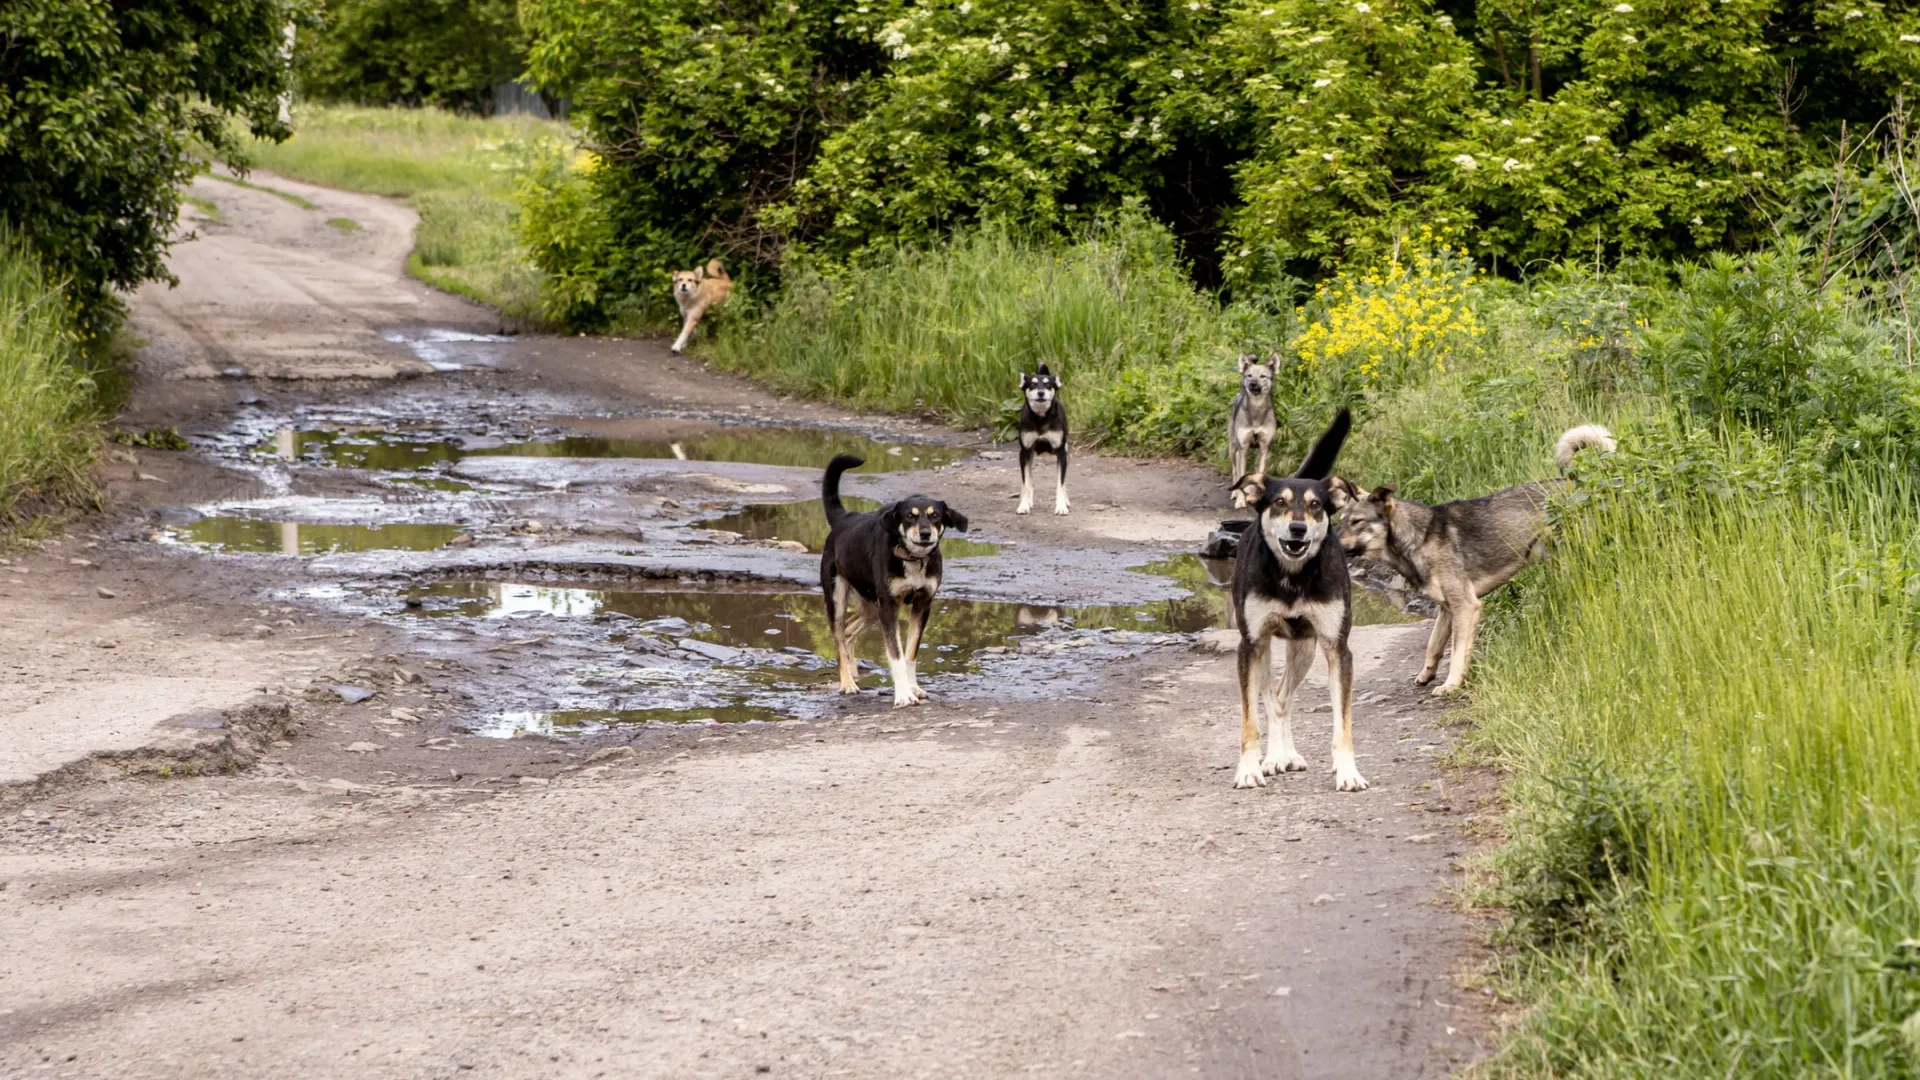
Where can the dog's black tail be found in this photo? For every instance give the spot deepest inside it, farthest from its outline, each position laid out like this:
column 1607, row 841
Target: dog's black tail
column 1319, row 463
column 830, row 487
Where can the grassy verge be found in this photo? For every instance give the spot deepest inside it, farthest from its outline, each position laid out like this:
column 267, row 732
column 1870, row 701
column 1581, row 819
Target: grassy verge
column 48, row 433
column 457, row 171
column 1711, row 713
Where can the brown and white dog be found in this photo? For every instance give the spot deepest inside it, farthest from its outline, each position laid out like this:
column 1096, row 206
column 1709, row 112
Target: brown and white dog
column 698, row 291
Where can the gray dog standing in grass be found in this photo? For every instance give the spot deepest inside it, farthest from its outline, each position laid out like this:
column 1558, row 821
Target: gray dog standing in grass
column 1251, row 425
column 1457, row 552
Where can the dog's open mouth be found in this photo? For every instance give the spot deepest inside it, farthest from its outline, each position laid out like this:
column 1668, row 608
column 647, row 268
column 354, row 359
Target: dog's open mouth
column 1294, row 548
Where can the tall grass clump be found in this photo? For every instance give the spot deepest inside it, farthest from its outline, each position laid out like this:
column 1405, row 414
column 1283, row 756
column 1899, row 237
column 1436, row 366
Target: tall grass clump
column 47, row 434
column 1712, row 721
column 458, row 171
column 946, row 330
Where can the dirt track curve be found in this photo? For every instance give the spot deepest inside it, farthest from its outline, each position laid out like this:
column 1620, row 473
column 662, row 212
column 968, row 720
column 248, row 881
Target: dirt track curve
column 1044, row 871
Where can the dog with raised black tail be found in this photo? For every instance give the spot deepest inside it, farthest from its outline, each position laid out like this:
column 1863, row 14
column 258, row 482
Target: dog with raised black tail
column 1457, row 552
column 884, row 565
column 1251, row 425
column 1043, row 430
column 1290, row 584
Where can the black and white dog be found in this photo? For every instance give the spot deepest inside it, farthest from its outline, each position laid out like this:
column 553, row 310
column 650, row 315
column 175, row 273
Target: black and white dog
column 1290, row 583
column 890, row 559
column 1043, row 430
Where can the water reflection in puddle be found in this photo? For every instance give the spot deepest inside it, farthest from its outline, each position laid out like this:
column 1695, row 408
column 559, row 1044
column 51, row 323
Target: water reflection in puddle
column 437, row 348
column 399, row 451
column 806, row 522
column 294, row 538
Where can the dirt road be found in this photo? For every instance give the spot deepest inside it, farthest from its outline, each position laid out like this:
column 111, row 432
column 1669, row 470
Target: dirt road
column 347, row 869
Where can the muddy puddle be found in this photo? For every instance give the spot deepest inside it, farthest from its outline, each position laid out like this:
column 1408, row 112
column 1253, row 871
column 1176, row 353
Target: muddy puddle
column 722, row 655
column 405, row 449
column 242, row 534
column 806, row 523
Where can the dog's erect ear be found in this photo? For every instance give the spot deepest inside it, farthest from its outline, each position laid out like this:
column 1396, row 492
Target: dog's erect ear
column 1249, row 490
column 1248, row 361
column 1319, row 462
column 1273, row 361
column 1341, row 492
column 955, row 520
column 1383, row 495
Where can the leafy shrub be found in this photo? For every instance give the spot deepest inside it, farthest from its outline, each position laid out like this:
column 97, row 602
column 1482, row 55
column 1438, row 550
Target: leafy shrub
column 98, row 104
column 448, row 53
column 1755, row 339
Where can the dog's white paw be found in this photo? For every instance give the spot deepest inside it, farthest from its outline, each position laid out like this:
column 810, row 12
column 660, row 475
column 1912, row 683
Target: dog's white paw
column 920, row 696
column 1348, row 778
column 903, row 699
column 1274, row 766
column 1425, row 676
column 1248, row 775
column 1025, row 507
column 1060, row 507
column 1448, row 689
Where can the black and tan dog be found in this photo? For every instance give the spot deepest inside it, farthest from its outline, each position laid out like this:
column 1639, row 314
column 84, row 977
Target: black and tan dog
column 1043, row 430
column 890, row 559
column 1290, row 583
column 1456, row 552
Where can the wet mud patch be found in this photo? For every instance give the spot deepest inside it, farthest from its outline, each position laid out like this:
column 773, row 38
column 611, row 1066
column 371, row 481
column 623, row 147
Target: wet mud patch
column 1211, row 580
column 806, row 523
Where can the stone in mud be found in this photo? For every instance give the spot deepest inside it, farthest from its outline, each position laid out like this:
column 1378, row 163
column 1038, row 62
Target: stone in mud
column 362, row 748
column 672, row 624
column 717, row 653
column 352, row 695
column 104, row 593
column 610, row 753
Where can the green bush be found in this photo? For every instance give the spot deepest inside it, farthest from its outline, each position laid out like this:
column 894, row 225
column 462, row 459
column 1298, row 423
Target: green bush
column 448, row 53
column 99, row 104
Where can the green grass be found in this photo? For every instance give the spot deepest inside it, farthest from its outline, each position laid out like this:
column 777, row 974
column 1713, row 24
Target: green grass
column 207, row 207
column 456, row 171
column 48, row 432
column 344, row 224
column 1710, row 706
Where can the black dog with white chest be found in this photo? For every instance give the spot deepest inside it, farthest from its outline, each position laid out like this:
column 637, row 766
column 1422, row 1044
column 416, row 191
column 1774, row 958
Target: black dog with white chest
column 890, row 559
column 1289, row 583
column 1043, row 430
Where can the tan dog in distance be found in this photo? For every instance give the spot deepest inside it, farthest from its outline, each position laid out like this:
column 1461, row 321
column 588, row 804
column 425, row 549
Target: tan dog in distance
column 698, row 291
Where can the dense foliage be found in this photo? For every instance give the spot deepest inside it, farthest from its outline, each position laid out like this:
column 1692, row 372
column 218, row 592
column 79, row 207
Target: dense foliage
column 449, row 53
column 98, row 104
column 1275, row 137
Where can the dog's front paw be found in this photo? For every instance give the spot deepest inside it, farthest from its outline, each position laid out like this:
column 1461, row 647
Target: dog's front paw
column 920, row 696
column 1025, row 507
column 1061, row 506
column 1425, row 676
column 1448, row 689
column 1248, row 775
column 904, row 698
column 849, row 688
column 1348, row 778
column 1274, row 766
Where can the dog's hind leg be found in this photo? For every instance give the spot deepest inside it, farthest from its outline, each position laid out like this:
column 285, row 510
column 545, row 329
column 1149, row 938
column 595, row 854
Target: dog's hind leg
column 1281, row 753
column 1436, row 644
column 1026, row 481
column 1466, row 623
column 1060, row 504
column 844, row 624
column 1256, row 674
column 915, row 625
column 1346, row 774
